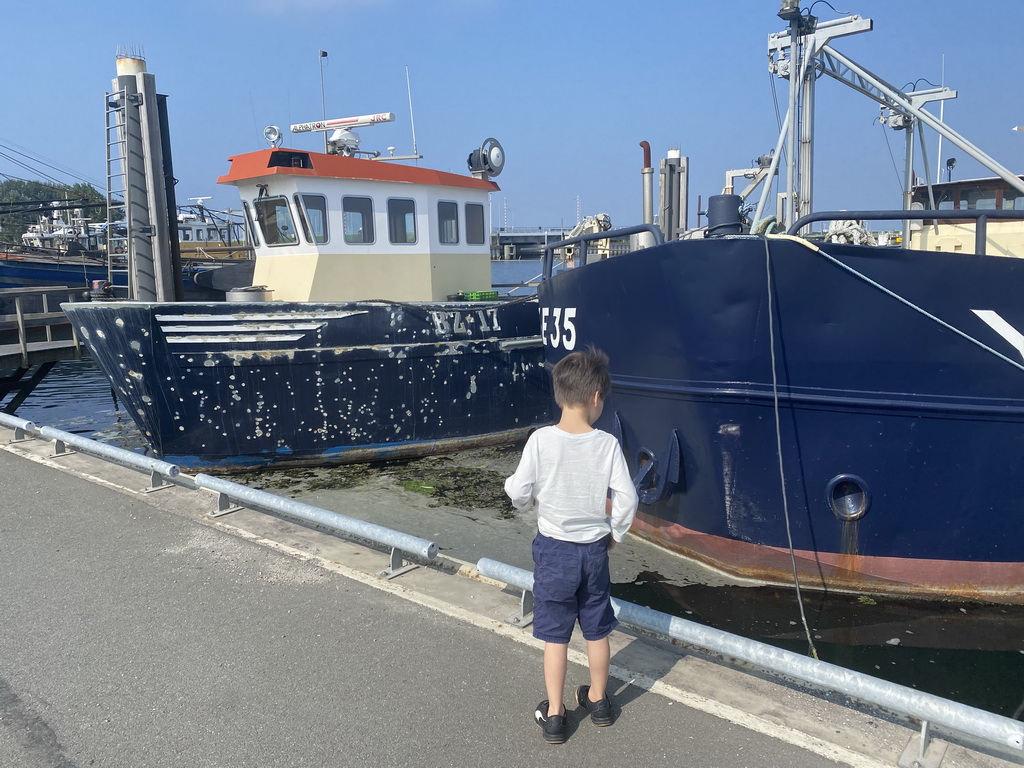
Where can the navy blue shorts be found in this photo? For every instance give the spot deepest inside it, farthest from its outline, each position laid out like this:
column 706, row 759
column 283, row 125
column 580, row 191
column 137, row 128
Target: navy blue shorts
column 571, row 581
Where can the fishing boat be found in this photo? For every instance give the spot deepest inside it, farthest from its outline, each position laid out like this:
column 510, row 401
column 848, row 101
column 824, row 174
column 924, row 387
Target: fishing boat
column 371, row 330
column 847, row 416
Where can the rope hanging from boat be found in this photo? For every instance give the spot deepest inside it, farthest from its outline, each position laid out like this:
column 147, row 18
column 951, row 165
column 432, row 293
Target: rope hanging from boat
column 892, row 294
column 778, row 450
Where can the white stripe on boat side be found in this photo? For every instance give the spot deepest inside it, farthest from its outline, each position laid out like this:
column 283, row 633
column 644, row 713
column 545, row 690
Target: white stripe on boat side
column 237, row 338
column 255, row 316
column 442, row 347
column 245, row 327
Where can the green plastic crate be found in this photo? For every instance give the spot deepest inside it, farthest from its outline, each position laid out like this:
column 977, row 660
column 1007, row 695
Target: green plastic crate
column 481, row 295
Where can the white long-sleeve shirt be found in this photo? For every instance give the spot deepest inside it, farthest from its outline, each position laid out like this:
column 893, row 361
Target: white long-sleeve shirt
column 568, row 476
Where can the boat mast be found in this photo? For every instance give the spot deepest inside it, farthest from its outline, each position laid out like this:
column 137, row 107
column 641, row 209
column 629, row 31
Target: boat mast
column 791, row 11
column 799, row 54
column 794, row 57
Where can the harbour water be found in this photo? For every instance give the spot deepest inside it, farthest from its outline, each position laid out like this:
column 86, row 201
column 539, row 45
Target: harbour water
column 969, row 653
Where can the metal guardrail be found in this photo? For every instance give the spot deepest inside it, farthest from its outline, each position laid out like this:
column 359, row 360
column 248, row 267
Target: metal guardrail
column 929, row 709
column 22, row 428
column 334, row 521
column 233, row 492
column 582, row 240
column 64, row 442
column 980, row 217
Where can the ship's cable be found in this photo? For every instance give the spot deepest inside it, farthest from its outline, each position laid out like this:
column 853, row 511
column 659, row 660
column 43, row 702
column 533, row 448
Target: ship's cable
column 778, row 449
column 894, row 295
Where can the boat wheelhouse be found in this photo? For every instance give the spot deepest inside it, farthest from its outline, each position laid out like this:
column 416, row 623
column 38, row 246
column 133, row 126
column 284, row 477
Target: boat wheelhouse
column 338, row 228
column 1004, row 237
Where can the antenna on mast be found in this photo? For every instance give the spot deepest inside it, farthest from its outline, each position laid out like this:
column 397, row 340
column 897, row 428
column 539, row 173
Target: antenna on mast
column 323, row 104
column 412, row 121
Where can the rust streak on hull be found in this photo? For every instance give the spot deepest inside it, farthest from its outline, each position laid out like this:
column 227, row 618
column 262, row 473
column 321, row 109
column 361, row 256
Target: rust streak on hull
column 989, row 582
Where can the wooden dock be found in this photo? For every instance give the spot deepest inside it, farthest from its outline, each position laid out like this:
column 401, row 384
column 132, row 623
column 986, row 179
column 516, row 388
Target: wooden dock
column 34, row 337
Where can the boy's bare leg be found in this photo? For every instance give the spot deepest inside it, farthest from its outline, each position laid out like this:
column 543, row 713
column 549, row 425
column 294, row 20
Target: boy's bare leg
column 599, row 658
column 556, row 659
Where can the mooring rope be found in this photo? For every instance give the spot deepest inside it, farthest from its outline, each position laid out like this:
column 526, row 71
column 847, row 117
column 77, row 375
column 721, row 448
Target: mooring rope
column 778, row 451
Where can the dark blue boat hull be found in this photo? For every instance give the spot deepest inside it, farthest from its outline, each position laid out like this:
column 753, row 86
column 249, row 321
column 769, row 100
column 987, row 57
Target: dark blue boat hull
column 900, row 439
column 18, row 271
column 27, row 271
column 235, row 385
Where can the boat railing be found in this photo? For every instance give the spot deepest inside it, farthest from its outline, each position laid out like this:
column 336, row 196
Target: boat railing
column 980, row 217
column 584, row 240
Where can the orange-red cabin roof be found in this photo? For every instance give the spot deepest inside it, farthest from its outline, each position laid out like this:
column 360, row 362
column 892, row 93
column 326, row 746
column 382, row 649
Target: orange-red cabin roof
column 274, row 162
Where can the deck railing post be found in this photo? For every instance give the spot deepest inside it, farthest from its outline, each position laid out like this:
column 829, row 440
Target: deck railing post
column 981, row 235
column 46, row 311
column 22, row 334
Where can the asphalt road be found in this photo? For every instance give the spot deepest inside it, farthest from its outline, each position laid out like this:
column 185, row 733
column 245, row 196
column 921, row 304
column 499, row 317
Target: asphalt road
column 132, row 637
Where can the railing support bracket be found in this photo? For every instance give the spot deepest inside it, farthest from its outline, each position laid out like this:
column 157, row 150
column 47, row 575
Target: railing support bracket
column 525, row 616
column 60, row 450
column 224, row 506
column 922, row 751
column 156, row 483
column 398, row 565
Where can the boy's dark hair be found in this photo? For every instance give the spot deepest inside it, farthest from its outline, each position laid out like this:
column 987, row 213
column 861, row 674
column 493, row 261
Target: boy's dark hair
column 578, row 375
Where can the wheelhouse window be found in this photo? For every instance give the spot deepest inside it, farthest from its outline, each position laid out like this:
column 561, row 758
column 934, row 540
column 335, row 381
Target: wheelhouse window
column 212, row 236
column 357, row 219
column 448, row 222
column 977, row 199
column 313, row 217
column 185, row 235
column 402, row 221
column 475, row 234
column 200, row 234
column 275, row 221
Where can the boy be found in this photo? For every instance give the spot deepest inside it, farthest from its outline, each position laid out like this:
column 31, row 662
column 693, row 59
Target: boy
column 568, row 470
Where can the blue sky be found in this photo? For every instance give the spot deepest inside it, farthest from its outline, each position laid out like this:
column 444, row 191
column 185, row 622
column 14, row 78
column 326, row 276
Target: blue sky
column 569, row 88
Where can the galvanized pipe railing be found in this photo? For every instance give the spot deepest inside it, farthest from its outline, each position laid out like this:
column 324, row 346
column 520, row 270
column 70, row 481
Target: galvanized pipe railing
column 334, row 521
column 157, row 468
column 989, row 727
column 20, row 426
column 109, row 452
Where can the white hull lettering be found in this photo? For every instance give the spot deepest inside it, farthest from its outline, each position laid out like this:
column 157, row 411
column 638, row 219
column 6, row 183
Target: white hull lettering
column 1003, row 328
column 557, row 328
column 461, row 323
